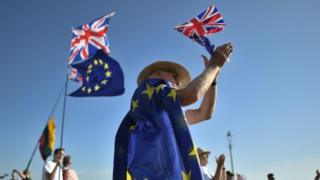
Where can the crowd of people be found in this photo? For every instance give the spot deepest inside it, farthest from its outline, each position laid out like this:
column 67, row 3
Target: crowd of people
column 59, row 168
column 221, row 173
column 188, row 92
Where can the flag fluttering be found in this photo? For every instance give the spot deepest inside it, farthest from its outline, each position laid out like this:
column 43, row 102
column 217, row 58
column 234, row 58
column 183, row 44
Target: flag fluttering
column 47, row 139
column 86, row 41
column 89, row 38
column 206, row 23
column 102, row 76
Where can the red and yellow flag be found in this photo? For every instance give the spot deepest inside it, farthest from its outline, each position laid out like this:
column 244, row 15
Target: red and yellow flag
column 47, row 139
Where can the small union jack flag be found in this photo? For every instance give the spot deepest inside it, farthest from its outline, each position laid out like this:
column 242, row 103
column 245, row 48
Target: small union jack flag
column 208, row 22
column 75, row 76
column 89, row 38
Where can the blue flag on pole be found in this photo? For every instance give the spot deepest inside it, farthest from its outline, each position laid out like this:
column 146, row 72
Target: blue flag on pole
column 153, row 141
column 101, row 76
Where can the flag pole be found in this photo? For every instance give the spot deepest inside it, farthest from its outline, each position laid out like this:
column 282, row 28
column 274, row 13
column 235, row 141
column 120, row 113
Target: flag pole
column 64, row 112
column 32, row 155
column 64, row 109
column 37, row 144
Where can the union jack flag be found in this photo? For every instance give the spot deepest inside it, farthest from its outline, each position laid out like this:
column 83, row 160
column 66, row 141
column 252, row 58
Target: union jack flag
column 208, row 22
column 75, row 76
column 89, row 38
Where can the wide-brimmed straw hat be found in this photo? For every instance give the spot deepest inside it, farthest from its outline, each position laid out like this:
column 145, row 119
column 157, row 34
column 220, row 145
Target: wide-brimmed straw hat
column 183, row 75
column 202, row 151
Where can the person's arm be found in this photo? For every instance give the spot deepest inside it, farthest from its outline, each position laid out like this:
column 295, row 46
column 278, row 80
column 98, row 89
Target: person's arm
column 220, row 164
column 207, row 106
column 205, row 111
column 22, row 176
column 223, row 174
column 50, row 176
column 199, row 86
column 5, row 175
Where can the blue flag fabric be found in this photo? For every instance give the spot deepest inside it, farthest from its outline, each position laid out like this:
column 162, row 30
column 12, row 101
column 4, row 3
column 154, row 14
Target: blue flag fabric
column 204, row 41
column 153, row 141
column 101, row 76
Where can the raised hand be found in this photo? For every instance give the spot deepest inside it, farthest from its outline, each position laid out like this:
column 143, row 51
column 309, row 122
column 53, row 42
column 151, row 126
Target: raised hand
column 220, row 160
column 221, row 55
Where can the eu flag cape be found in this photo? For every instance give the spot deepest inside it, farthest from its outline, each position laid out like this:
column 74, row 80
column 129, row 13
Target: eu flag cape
column 153, row 141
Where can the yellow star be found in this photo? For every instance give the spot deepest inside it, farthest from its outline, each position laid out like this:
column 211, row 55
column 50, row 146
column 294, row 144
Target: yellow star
column 95, row 62
column 96, row 87
column 106, row 66
column 132, row 127
column 134, row 104
column 89, row 71
column 83, row 89
column 89, row 90
column 108, row 73
column 194, row 152
column 100, row 61
column 148, row 91
column 128, row 176
column 172, row 94
column 90, row 66
column 87, row 78
column 104, row 81
column 186, row 176
column 160, row 87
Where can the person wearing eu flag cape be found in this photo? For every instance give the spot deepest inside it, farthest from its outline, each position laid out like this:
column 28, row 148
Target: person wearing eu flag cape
column 153, row 141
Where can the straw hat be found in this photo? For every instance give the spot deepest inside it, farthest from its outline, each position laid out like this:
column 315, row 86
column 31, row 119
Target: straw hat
column 182, row 73
column 202, row 151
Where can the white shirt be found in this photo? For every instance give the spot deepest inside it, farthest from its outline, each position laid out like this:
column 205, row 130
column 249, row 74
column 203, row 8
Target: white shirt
column 207, row 174
column 48, row 167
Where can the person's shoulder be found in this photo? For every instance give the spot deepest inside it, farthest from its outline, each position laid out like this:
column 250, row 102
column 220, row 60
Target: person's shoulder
column 49, row 162
column 49, row 165
column 73, row 171
column 74, row 174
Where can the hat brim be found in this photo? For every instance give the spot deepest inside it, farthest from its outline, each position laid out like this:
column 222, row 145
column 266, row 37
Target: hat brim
column 183, row 74
column 202, row 151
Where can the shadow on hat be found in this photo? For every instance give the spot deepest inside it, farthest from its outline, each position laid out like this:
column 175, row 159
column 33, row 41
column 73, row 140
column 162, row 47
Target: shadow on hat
column 183, row 75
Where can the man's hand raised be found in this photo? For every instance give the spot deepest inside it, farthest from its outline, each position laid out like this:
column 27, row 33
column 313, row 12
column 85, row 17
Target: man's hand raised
column 221, row 55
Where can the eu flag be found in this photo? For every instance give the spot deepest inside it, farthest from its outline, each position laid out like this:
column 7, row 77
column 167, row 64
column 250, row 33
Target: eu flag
column 153, row 141
column 101, row 76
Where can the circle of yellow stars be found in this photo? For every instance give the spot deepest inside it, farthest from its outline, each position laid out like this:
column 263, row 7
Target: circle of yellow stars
column 97, row 86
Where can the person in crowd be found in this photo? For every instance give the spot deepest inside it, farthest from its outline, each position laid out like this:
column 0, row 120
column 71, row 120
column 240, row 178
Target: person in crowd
column 164, row 87
column 317, row 177
column 204, row 160
column 229, row 175
column 270, row 176
column 68, row 172
column 52, row 168
column 25, row 175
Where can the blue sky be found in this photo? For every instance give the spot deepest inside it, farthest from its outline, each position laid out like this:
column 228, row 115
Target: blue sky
column 268, row 94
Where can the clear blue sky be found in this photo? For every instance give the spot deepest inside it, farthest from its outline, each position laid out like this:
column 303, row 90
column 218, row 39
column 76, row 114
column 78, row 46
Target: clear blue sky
column 268, row 94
